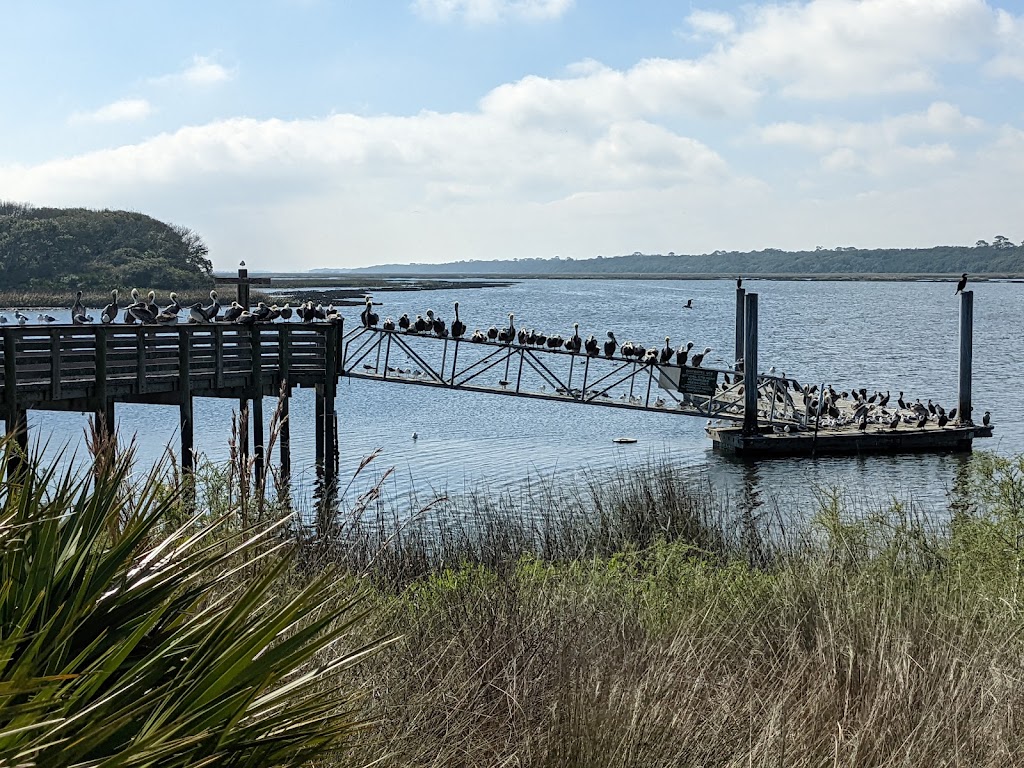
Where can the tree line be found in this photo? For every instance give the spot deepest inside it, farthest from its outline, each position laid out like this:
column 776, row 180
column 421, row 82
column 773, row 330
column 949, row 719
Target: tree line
column 78, row 248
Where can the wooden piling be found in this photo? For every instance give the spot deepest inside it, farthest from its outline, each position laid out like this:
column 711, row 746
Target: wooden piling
column 256, row 388
column 104, row 406
column 284, row 395
column 185, row 421
column 318, row 390
column 966, row 356
column 740, row 329
column 15, row 417
column 330, row 417
column 750, row 365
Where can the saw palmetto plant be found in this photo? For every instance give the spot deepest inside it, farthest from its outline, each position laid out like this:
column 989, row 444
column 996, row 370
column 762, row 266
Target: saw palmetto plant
column 124, row 642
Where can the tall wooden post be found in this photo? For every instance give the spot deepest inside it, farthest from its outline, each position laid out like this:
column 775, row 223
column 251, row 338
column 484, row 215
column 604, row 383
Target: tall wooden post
column 740, row 329
column 966, row 356
column 330, row 418
column 15, row 416
column 104, row 406
column 318, row 390
column 284, row 393
column 185, row 421
column 750, row 365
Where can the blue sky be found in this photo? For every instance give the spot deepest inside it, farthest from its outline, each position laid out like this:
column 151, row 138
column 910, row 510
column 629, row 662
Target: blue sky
column 320, row 133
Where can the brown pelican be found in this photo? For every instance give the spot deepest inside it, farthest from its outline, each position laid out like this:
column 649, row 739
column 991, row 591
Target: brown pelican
column 262, row 311
column 368, row 316
column 78, row 308
column 141, row 312
column 404, row 322
column 154, row 310
column 506, row 335
column 574, row 343
column 389, row 324
column 611, row 345
column 212, row 309
column 458, row 327
column 286, row 311
column 167, row 318
column 81, row 318
column 961, row 285
column 231, row 313
column 175, row 306
column 682, row 353
column 421, row 325
column 666, row 352
column 699, row 358
column 439, row 327
column 196, row 314
column 478, row 336
column 591, row 345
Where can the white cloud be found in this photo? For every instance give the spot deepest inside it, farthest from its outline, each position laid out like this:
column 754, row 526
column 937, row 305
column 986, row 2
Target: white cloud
column 202, row 71
column 878, row 147
column 711, row 23
column 833, row 49
column 490, row 11
column 1009, row 62
column 125, row 110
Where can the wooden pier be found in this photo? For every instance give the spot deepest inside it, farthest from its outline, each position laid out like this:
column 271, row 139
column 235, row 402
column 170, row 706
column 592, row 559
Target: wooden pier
column 93, row 368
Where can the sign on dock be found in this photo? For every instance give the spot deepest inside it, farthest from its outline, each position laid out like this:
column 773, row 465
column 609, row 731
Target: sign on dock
column 693, row 381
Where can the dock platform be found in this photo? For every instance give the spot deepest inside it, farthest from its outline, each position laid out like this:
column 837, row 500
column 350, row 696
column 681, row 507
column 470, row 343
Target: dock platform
column 847, row 441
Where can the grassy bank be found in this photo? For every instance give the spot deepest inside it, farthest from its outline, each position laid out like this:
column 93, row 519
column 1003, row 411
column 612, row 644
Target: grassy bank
column 635, row 621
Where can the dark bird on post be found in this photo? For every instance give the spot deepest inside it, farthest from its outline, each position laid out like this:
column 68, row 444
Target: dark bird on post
column 404, row 322
column 895, row 421
column 943, row 420
column 962, row 284
column 591, row 346
column 574, row 343
column 458, row 327
column 900, row 400
column 610, row 345
column 862, row 425
column 952, row 413
column 986, row 419
column 420, row 325
column 739, row 282
column 885, row 399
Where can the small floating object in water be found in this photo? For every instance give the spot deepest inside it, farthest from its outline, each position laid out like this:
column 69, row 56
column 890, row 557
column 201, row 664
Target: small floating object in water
column 623, row 439
column 415, row 436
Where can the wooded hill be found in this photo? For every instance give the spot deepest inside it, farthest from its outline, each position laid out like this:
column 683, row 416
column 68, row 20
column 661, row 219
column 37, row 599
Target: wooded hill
column 1001, row 257
column 56, row 249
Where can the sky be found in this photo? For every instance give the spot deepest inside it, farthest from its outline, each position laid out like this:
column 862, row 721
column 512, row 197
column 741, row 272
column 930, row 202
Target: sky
column 297, row 134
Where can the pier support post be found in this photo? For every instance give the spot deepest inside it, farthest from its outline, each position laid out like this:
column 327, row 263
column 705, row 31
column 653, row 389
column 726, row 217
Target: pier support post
column 320, row 427
column 750, row 365
column 256, row 387
column 330, row 417
column 15, row 417
column 740, row 326
column 185, row 406
column 284, row 398
column 243, row 432
column 966, row 356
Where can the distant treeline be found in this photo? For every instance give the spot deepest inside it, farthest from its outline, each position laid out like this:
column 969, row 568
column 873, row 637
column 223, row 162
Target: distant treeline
column 999, row 258
column 58, row 249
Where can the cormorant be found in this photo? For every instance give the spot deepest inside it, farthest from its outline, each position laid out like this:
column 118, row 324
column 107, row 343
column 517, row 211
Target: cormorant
column 610, row 345
column 902, row 404
column 943, row 420
column 885, row 399
column 961, row 285
column 458, row 327
column 739, row 282
column 986, row 419
column 952, row 413
column 688, row 304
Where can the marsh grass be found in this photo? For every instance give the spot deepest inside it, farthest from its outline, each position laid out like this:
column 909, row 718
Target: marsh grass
column 636, row 623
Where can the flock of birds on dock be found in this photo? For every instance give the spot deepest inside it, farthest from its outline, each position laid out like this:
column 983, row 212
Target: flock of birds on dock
column 433, row 325
column 146, row 311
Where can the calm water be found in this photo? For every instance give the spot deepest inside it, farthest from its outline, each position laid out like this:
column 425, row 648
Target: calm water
column 878, row 335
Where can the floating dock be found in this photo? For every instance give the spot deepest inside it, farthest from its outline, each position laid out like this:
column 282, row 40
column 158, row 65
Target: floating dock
column 846, row 442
